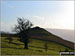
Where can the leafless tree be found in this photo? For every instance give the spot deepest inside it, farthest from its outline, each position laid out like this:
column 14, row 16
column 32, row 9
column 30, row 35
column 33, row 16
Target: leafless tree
column 46, row 46
column 22, row 29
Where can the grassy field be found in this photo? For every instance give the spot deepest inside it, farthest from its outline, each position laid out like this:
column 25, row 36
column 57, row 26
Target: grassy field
column 36, row 47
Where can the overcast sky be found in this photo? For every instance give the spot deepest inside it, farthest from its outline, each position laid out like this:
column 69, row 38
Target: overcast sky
column 45, row 14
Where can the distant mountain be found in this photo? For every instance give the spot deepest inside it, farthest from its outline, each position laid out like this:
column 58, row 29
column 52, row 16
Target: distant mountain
column 7, row 34
column 42, row 34
column 2, row 32
column 63, row 33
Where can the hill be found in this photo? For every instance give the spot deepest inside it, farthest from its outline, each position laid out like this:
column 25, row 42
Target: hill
column 36, row 47
column 42, row 34
column 67, row 34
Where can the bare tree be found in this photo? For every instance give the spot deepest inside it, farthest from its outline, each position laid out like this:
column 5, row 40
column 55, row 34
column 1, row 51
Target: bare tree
column 46, row 46
column 22, row 29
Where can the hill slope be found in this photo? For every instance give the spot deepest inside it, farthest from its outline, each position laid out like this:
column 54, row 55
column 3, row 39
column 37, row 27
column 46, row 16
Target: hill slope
column 63, row 33
column 41, row 33
column 36, row 47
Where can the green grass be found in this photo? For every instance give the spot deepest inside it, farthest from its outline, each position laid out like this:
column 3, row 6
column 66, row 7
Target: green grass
column 12, row 49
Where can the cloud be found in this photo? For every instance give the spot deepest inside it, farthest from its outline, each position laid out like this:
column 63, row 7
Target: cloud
column 38, row 17
column 4, row 26
column 7, row 26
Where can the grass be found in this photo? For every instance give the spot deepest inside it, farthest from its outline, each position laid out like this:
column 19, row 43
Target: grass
column 36, row 47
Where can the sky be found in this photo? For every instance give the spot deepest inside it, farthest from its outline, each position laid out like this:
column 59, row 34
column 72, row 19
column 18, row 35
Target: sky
column 45, row 14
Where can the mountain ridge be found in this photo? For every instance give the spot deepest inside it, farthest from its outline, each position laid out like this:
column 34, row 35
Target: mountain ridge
column 63, row 33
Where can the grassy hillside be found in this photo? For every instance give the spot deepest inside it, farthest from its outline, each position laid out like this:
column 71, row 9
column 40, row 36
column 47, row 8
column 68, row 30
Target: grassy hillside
column 41, row 33
column 36, row 47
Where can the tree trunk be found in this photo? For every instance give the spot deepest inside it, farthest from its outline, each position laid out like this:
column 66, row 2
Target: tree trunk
column 25, row 45
column 10, row 42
